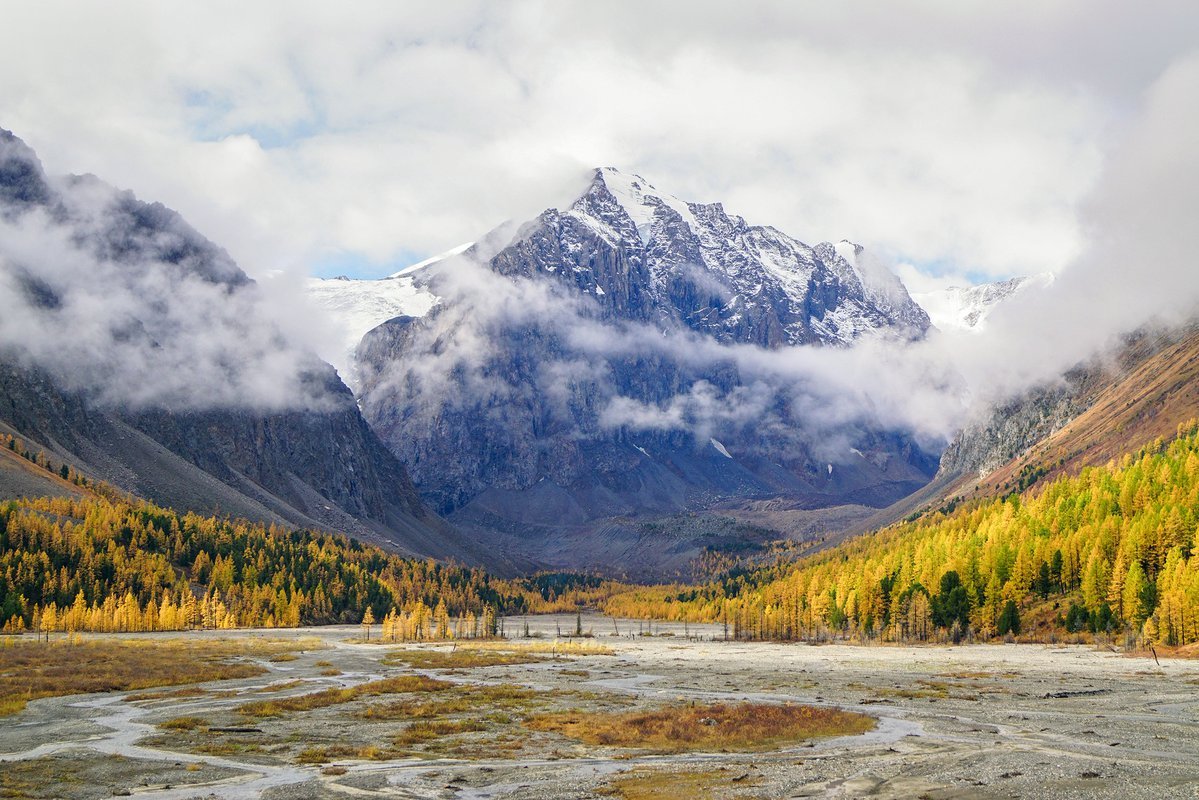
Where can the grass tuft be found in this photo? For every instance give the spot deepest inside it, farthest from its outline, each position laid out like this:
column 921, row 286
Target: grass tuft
column 745, row 727
column 184, row 723
column 402, row 684
column 662, row 785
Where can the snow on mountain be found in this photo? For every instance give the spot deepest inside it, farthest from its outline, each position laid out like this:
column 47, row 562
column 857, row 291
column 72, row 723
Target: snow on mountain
column 428, row 262
column 357, row 306
column 967, row 308
column 697, row 265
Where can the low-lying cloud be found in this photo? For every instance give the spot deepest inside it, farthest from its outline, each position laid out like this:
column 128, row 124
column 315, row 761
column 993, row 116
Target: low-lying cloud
column 124, row 303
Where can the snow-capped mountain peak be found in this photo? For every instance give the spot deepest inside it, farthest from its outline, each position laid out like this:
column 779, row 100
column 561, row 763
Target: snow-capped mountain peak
column 966, row 308
column 640, row 199
column 714, row 272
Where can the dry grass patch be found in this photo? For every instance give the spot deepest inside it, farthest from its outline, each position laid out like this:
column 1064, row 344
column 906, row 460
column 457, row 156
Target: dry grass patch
column 458, row 659
column 281, row 686
column 571, row 647
column 657, row 785
column 494, row 654
column 83, row 776
column 184, row 724
column 332, row 697
column 187, row 691
column 425, row 731
column 464, row 699
column 323, row 755
column 225, row 747
column 29, row 670
column 921, row 690
column 745, row 727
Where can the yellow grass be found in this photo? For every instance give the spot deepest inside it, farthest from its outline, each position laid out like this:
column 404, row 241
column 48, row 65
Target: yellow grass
column 332, row 697
column 570, row 647
column 745, row 727
column 189, row 691
column 30, row 670
column 458, row 659
column 494, row 654
column 279, row 687
column 461, row 700
column 184, row 723
column 423, row 731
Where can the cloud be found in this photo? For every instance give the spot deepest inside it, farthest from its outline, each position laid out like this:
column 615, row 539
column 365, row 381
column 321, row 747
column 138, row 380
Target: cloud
column 984, row 141
column 1139, row 264
column 293, row 132
column 122, row 302
column 1137, row 268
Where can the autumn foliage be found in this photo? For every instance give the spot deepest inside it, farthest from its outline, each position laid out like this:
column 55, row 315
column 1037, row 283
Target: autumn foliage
column 114, row 565
column 1114, row 549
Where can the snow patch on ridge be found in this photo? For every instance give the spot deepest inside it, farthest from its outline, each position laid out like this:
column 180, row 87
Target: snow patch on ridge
column 640, row 201
column 428, row 262
column 356, row 307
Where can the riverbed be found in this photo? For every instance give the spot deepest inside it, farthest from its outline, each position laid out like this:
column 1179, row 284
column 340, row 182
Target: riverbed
column 1002, row 720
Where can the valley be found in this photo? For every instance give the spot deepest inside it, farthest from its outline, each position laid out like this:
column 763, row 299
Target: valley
column 887, row 489
column 944, row 722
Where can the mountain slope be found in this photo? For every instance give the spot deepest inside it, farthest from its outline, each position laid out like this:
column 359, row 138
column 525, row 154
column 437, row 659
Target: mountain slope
column 138, row 352
column 602, row 364
column 1110, row 405
column 1100, row 411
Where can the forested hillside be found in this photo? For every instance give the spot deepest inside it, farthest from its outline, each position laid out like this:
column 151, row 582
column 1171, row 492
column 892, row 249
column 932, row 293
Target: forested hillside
column 1114, row 549
column 124, row 565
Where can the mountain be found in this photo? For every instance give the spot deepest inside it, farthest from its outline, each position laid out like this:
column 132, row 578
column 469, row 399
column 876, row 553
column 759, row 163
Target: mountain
column 606, row 364
column 138, row 352
column 967, row 308
column 1101, row 409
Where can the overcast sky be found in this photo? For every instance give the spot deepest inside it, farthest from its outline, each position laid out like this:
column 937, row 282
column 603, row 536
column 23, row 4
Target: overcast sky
column 962, row 138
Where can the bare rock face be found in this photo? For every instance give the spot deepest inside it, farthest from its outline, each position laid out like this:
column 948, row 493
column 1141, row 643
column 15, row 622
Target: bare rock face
column 601, row 361
column 1013, row 427
column 1008, row 430
column 142, row 389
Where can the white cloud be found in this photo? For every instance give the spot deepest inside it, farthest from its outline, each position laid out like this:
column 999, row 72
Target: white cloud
column 291, row 131
column 143, row 314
